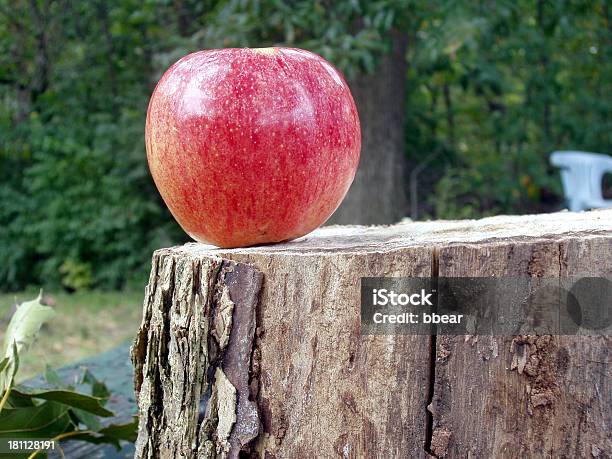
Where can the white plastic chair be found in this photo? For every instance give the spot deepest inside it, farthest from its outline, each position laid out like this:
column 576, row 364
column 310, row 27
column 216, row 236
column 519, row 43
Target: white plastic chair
column 582, row 174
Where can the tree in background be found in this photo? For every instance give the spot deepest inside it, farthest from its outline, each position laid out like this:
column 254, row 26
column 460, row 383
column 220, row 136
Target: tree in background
column 495, row 88
column 486, row 89
column 78, row 206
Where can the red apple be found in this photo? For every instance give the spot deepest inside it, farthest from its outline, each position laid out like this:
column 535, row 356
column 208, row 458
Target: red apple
column 252, row 146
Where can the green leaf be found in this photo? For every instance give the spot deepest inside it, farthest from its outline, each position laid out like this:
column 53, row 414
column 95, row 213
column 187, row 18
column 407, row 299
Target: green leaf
column 116, row 433
column 16, row 400
column 127, row 431
column 98, row 388
column 15, row 362
column 68, row 398
column 53, row 378
column 90, row 420
column 112, row 434
column 25, row 324
column 4, row 364
column 9, row 378
column 21, row 331
column 46, row 420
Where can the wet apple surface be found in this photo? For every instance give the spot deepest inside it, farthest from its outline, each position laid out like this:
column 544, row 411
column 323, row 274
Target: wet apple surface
column 252, row 146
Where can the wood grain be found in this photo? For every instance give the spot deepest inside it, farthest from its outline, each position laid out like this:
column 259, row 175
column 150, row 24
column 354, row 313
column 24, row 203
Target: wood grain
column 559, row 404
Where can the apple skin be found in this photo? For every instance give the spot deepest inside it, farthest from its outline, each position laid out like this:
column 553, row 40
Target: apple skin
column 252, row 146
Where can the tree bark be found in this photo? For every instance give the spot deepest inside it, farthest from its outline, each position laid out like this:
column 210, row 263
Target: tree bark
column 258, row 350
column 378, row 194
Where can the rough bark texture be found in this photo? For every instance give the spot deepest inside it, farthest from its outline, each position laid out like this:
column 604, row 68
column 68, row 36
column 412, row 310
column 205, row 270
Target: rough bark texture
column 192, row 358
column 378, row 194
column 308, row 385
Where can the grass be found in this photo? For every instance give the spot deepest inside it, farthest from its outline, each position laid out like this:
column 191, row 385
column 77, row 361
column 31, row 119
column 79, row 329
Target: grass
column 86, row 323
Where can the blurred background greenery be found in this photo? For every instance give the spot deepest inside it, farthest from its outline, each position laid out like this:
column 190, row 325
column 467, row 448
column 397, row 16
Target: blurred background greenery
column 85, row 323
column 475, row 93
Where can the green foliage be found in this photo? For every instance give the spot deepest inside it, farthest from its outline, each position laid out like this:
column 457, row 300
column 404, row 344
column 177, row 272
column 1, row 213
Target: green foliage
column 20, row 334
column 76, row 275
column 497, row 88
column 78, row 206
column 56, row 411
column 351, row 34
column 492, row 88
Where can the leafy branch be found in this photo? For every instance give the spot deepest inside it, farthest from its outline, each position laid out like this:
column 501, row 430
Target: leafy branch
column 56, row 411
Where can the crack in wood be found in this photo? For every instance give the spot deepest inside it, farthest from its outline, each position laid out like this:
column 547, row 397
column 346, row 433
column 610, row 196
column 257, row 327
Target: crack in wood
column 435, row 267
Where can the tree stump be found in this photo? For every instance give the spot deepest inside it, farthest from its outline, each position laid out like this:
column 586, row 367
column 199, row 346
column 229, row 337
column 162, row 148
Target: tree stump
column 258, row 351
